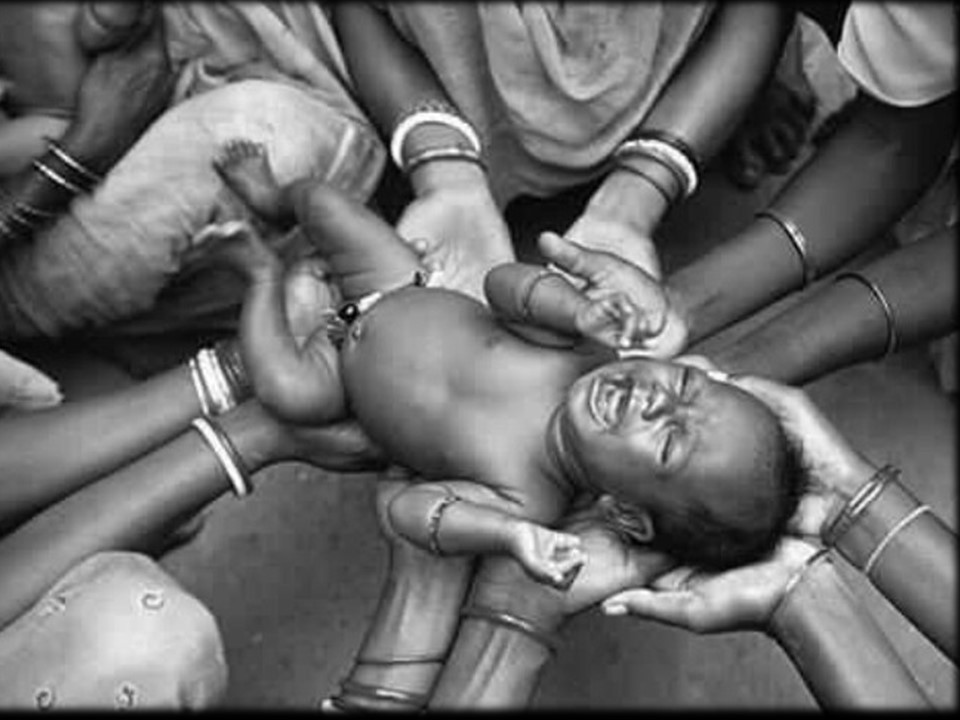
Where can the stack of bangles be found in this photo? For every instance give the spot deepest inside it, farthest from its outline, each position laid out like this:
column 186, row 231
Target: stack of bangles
column 19, row 219
column 664, row 160
column 221, row 384
column 436, row 112
column 862, row 538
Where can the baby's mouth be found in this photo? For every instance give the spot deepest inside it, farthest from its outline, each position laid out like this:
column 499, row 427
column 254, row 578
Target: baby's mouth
column 609, row 399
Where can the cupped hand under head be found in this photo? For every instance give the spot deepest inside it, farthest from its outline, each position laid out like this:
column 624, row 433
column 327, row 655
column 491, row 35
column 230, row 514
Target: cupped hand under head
column 743, row 598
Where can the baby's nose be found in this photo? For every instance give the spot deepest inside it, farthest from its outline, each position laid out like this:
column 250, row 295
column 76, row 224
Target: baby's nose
column 659, row 402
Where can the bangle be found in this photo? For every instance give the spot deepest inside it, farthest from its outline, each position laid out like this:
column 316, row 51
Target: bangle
column 797, row 239
column 348, row 687
column 218, row 389
column 231, row 362
column 433, row 520
column 57, row 178
column 452, row 152
column 230, row 460
column 892, row 339
column 676, row 142
column 74, row 164
column 672, row 158
column 657, row 185
column 505, row 619
column 882, row 545
column 857, row 505
column 820, row 555
column 430, row 111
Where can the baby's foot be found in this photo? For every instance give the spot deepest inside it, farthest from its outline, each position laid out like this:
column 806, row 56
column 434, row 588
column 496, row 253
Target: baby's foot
column 102, row 26
column 244, row 167
column 547, row 555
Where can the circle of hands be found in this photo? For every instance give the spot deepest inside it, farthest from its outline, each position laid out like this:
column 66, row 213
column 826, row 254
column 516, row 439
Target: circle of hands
column 582, row 562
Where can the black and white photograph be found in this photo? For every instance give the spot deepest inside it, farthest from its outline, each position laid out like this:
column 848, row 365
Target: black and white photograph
column 447, row 356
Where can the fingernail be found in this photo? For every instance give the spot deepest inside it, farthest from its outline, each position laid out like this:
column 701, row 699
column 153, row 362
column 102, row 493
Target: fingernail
column 615, row 609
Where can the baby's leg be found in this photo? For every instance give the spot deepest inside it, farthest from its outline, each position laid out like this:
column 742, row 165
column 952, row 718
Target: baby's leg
column 362, row 251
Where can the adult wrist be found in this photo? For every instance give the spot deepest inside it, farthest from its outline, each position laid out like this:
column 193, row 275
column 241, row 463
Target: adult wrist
column 438, row 175
column 257, row 436
column 631, row 199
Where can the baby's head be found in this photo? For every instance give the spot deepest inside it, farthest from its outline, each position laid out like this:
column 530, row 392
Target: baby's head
column 694, row 466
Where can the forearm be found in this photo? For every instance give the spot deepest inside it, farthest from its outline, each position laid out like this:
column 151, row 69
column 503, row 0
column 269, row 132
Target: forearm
column 443, row 522
column 413, row 627
column 842, row 654
column 47, row 454
column 910, row 556
column 708, row 97
column 874, row 168
column 129, row 509
column 843, row 322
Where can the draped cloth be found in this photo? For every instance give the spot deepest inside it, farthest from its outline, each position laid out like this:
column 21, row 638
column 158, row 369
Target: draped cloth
column 124, row 257
column 552, row 88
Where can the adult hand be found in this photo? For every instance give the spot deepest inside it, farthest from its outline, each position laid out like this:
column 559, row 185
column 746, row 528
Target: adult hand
column 123, row 91
column 613, row 236
column 458, row 231
column 339, row 447
column 611, row 565
column 654, row 328
column 836, row 471
column 743, row 598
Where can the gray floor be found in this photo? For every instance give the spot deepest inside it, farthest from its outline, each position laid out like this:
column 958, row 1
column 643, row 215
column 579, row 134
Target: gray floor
column 293, row 573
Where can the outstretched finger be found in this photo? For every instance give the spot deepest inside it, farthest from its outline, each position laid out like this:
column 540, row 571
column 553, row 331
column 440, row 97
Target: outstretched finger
column 571, row 257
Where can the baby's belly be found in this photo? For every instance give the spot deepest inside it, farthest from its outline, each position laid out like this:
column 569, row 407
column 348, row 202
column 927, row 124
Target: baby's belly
column 415, row 368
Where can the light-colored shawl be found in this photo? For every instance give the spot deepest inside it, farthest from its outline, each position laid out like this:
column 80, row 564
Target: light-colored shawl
column 553, row 88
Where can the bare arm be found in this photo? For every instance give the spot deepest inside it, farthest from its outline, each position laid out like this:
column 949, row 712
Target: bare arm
column 702, row 105
column 47, row 454
column 842, row 654
column 874, row 168
column 842, row 323
column 129, row 509
column 467, row 518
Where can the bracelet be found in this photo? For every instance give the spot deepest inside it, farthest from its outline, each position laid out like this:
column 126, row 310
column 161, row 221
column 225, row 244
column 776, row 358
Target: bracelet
column 657, row 185
column 231, row 362
column 433, row 520
column 797, row 239
column 820, row 555
column 834, row 530
column 507, row 620
column 668, row 155
column 57, row 178
column 226, row 453
column 452, row 152
column 401, row 660
column 892, row 533
column 892, row 339
column 676, row 142
column 71, row 162
column 348, row 687
column 528, row 289
column 430, row 111
column 218, row 389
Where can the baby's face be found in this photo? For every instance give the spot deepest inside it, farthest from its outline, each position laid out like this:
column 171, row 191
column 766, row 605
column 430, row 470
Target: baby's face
column 651, row 432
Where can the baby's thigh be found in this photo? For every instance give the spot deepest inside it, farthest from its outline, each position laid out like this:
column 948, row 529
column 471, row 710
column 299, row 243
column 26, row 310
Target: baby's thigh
column 115, row 631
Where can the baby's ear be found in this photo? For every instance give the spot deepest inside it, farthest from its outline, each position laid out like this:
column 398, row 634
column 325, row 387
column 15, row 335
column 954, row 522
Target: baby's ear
column 635, row 521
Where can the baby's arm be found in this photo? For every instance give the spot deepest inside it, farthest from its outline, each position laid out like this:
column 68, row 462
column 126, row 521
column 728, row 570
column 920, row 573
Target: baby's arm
column 460, row 517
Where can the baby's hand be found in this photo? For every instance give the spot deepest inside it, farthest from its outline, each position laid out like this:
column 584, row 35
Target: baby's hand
column 630, row 310
column 547, row 555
